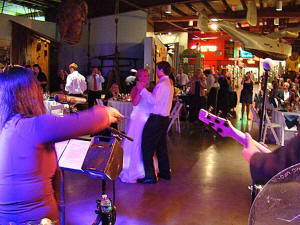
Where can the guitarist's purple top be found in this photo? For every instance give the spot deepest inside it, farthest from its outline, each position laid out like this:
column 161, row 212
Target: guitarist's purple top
column 264, row 166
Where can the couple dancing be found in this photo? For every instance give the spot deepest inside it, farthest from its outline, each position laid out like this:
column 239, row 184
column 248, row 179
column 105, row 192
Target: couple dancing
column 148, row 126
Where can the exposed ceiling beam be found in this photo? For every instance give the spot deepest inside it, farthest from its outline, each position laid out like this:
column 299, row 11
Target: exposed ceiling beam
column 208, row 6
column 178, row 11
column 166, row 27
column 134, row 5
column 239, row 15
column 244, row 4
column 177, row 26
column 191, row 7
column 227, row 6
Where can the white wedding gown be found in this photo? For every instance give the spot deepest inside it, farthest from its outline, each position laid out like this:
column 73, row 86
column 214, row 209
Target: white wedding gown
column 133, row 167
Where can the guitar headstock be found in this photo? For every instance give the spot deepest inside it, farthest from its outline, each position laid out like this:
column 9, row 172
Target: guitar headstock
column 220, row 125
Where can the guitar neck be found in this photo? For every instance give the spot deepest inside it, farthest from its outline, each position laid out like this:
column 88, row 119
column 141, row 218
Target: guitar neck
column 241, row 138
column 225, row 129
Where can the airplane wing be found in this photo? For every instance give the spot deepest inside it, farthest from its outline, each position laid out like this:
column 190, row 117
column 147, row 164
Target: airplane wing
column 260, row 45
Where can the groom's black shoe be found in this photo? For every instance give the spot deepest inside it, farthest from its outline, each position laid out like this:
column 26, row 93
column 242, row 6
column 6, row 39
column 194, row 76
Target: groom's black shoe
column 147, row 180
column 164, row 176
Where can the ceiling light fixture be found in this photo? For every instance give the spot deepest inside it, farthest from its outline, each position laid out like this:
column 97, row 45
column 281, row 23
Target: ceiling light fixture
column 168, row 9
column 278, row 5
column 214, row 26
column 191, row 23
column 276, row 21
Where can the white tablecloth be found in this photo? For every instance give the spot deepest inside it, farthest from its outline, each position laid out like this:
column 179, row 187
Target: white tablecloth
column 125, row 109
column 278, row 117
column 49, row 103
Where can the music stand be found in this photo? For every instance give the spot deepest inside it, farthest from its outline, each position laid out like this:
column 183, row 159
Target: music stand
column 102, row 157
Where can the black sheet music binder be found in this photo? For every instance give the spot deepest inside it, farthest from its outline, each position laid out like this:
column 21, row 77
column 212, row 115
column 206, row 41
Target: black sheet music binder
column 101, row 157
column 104, row 158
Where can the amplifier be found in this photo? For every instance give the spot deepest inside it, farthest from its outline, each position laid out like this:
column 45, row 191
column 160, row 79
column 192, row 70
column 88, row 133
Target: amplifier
column 104, row 158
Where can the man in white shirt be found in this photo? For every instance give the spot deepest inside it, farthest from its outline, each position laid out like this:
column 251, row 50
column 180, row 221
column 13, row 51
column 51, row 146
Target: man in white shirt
column 75, row 84
column 182, row 79
column 94, row 81
column 154, row 137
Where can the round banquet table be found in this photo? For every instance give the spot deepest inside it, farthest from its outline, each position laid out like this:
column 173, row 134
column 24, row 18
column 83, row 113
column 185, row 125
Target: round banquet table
column 125, row 108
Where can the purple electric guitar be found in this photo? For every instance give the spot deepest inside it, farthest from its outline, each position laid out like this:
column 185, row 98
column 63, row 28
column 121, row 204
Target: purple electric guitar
column 225, row 128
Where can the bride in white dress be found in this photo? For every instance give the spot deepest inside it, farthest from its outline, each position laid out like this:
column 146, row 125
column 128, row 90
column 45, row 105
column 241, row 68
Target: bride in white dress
column 133, row 167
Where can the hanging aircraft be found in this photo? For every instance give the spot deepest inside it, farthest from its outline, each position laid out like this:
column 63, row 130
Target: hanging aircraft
column 264, row 46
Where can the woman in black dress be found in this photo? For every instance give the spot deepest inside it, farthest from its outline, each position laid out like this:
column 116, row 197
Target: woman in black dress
column 246, row 94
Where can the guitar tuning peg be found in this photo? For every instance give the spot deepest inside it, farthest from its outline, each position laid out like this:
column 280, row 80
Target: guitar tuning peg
column 219, row 113
column 210, row 109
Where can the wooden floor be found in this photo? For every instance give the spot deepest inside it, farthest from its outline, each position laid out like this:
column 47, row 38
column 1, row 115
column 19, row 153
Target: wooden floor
column 209, row 186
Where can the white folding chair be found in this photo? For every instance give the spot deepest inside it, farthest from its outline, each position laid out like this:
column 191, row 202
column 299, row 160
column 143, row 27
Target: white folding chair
column 175, row 116
column 271, row 126
column 57, row 109
column 255, row 119
column 285, row 129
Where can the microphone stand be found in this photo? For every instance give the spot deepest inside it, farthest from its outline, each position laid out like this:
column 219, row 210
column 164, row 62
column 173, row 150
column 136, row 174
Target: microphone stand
column 261, row 124
column 262, row 115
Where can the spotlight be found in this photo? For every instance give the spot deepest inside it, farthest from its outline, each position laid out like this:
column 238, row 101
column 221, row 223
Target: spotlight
column 214, row 26
column 278, row 5
column 168, row 9
column 191, row 23
column 276, row 21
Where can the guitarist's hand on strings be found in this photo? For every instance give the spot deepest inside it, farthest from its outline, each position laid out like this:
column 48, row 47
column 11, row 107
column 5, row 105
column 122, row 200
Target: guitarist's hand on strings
column 250, row 148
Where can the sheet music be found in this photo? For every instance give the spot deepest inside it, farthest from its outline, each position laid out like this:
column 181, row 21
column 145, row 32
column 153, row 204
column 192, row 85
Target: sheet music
column 60, row 147
column 74, row 154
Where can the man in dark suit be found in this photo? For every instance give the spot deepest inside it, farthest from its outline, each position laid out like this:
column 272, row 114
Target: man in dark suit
column 285, row 96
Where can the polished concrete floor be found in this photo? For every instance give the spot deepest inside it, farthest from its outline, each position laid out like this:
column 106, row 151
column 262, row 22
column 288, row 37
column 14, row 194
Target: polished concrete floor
column 209, row 186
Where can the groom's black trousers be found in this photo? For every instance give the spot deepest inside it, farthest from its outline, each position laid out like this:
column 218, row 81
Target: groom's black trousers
column 154, row 140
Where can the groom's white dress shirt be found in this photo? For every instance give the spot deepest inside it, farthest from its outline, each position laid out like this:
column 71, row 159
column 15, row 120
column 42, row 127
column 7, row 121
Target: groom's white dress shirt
column 161, row 97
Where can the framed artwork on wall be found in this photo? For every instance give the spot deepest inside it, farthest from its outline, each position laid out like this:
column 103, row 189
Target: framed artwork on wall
column 4, row 52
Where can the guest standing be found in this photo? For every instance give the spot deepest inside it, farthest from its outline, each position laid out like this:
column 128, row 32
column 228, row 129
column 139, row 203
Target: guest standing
column 75, row 84
column 95, row 81
column 223, row 103
column 40, row 76
column 62, row 77
column 212, row 89
column 182, row 79
column 197, row 94
column 246, row 94
column 29, row 174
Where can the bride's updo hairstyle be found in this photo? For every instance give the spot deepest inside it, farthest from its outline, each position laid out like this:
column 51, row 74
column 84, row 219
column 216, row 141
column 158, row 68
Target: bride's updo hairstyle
column 140, row 73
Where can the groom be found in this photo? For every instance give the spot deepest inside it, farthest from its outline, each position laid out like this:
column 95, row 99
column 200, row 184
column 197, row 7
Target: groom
column 154, row 137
